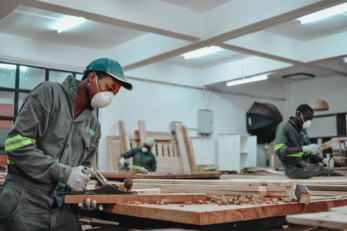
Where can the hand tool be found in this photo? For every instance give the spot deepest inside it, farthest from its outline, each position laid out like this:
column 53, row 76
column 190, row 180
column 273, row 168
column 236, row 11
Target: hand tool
column 106, row 187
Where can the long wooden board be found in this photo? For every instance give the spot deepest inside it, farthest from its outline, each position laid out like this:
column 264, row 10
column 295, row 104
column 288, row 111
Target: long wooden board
column 123, row 175
column 149, row 199
column 334, row 220
column 214, row 214
column 234, row 182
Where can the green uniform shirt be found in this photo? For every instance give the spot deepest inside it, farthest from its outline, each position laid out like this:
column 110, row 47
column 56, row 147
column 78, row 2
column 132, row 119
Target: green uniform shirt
column 142, row 159
column 288, row 135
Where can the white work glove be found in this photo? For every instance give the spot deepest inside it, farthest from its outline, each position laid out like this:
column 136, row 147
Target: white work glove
column 312, row 148
column 78, row 179
column 122, row 161
column 330, row 163
column 90, row 206
column 143, row 169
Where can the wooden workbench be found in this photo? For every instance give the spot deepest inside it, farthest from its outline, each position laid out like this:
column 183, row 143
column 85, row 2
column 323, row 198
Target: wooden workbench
column 202, row 215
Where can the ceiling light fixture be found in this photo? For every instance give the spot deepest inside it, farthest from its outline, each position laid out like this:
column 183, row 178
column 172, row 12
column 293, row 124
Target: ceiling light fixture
column 201, row 52
column 247, row 80
column 67, row 23
column 339, row 9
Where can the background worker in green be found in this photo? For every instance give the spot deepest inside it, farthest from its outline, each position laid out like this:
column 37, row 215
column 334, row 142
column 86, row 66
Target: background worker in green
column 143, row 158
column 54, row 138
column 299, row 157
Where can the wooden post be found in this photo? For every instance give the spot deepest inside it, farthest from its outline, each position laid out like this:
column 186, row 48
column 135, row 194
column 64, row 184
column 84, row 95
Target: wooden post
column 142, row 131
column 124, row 139
column 182, row 147
column 190, row 150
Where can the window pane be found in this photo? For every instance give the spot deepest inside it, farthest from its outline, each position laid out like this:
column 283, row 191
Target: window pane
column 30, row 77
column 79, row 76
column 58, row 76
column 21, row 99
column 5, row 127
column 7, row 75
column 6, row 103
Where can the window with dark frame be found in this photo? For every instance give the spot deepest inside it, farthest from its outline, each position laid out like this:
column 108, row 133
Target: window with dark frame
column 16, row 82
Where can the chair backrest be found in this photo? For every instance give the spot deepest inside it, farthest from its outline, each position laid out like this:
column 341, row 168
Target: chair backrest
column 165, row 151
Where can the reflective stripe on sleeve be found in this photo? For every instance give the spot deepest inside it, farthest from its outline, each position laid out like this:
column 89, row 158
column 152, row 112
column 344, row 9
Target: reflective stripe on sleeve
column 18, row 141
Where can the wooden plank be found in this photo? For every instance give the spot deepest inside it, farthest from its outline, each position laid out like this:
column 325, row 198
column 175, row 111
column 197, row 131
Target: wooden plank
column 221, row 189
column 182, row 148
column 214, row 214
column 190, row 150
column 124, row 140
column 330, row 143
column 328, row 193
column 142, row 131
column 123, row 175
column 239, row 182
column 113, row 153
column 333, row 220
column 156, row 135
column 319, row 187
column 148, row 191
column 149, row 199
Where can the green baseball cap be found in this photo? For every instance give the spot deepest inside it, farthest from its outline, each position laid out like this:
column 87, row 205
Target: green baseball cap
column 112, row 68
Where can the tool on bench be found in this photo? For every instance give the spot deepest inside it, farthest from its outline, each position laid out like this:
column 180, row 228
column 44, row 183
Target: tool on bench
column 106, row 187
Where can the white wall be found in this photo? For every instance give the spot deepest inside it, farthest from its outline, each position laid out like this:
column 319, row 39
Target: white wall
column 332, row 89
column 160, row 104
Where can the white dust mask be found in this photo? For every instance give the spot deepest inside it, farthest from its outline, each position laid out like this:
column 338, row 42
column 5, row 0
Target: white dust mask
column 101, row 99
column 144, row 149
column 306, row 123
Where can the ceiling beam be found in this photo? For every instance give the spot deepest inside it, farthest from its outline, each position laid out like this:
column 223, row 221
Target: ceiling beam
column 247, row 29
column 7, row 7
column 141, row 15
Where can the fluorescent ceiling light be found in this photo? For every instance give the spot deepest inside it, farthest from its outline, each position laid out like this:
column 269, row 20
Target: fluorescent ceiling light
column 345, row 59
column 67, row 23
column 339, row 9
column 246, row 80
column 202, row 52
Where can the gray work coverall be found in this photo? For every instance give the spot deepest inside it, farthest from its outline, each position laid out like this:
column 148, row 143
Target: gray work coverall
column 296, row 165
column 43, row 145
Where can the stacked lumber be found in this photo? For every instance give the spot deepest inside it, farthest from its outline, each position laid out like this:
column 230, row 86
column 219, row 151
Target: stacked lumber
column 174, row 154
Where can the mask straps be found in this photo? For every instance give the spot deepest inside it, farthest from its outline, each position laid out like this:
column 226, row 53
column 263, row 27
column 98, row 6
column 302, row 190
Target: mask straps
column 302, row 117
column 97, row 85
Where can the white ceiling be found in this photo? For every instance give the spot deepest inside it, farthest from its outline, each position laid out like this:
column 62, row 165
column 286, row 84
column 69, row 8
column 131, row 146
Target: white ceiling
column 209, row 60
column 165, row 33
column 36, row 23
column 197, row 5
column 309, row 31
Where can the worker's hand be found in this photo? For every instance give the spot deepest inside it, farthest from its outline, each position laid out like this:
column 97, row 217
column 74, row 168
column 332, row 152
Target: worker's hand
column 329, row 162
column 312, row 148
column 89, row 206
column 122, row 161
column 143, row 169
column 78, row 179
